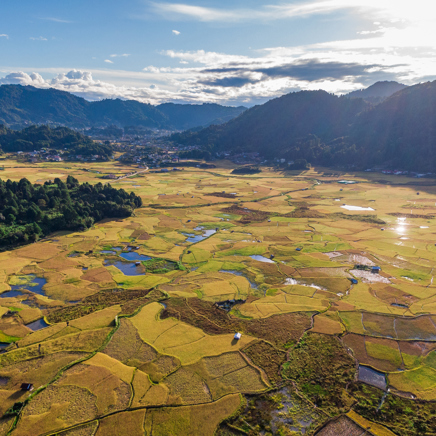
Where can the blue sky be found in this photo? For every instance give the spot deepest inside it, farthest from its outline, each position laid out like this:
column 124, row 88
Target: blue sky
column 229, row 52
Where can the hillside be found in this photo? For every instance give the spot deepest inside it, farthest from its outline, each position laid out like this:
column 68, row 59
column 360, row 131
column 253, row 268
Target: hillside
column 37, row 137
column 377, row 92
column 401, row 131
column 277, row 127
column 21, row 105
column 181, row 116
column 329, row 130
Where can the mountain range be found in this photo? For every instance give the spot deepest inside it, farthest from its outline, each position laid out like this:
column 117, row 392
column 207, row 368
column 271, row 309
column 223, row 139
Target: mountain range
column 21, row 105
column 329, row 130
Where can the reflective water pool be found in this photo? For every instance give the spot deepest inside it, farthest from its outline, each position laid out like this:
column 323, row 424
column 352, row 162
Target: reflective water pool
column 372, row 377
column 260, row 258
column 127, row 268
column 37, row 325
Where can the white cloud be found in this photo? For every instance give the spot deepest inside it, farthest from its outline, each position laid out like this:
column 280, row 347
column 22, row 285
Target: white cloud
column 176, row 32
column 108, row 61
column 178, row 10
column 400, row 9
column 55, row 20
column 3, row 35
column 124, row 55
column 204, row 57
column 38, row 38
column 20, row 78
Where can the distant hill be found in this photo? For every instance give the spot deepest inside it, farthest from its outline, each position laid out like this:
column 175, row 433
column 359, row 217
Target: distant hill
column 377, row 92
column 206, row 114
column 25, row 104
column 329, row 130
column 277, row 127
column 37, row 137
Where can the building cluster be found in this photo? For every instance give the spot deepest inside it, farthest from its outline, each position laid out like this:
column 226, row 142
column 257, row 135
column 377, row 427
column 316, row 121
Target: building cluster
column 240, row 158
column 400, row 172
column 144, row 158
column 42, row 155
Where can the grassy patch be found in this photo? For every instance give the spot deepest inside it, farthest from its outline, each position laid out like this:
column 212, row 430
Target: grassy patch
column 321, row 368
column 401, row 415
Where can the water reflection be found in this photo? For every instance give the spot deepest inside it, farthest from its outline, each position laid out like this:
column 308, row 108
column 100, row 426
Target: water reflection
column 127, row 268
column 37, row 325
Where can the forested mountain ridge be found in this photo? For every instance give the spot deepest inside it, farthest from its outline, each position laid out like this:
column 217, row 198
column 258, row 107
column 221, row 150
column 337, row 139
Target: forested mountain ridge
column 27, row 104
column 377, row 92
column 329, row 130
column 272, row 129
column 400, row 131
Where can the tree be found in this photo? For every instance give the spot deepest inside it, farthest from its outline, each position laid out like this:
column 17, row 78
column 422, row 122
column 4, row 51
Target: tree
column 10, row 219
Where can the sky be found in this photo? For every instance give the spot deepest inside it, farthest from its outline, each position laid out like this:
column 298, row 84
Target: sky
column 239, row 52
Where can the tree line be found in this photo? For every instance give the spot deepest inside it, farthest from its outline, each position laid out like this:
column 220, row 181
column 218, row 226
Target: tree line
column 29, row 211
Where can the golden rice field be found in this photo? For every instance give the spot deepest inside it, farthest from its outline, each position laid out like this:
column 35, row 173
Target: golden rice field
column 133, row 349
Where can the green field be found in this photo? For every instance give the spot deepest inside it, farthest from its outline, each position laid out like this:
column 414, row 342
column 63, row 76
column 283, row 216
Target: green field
column 136, row 337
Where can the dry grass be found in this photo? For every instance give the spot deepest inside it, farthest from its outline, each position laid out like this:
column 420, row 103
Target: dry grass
column 343, row 426
column 191, row 420
column 176, row 338
column 131, row 424
column 55, row 408
column 111, row 392
column 82, row 430
column 101, row 318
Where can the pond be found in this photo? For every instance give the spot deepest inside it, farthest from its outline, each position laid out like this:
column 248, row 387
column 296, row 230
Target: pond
column 35, row 285
column 4, row 381
column 372, row 377
column 127, row 268
column 11, row 294
column 133, row 256
column 401, row 306
column 74, row 254
column 239, row 273
column 260, row 258
column 348, row 207
column 113, row 250
column 193, row 238
column 37, row 325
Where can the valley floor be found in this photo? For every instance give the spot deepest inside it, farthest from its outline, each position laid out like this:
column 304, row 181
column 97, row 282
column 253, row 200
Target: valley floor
column 129, row 328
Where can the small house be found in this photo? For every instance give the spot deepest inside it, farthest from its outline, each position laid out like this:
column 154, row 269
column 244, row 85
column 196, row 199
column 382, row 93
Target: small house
column 238, row 336
column 375, row 269
column 27, row 387
column 354, row 281
column 298, row 249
